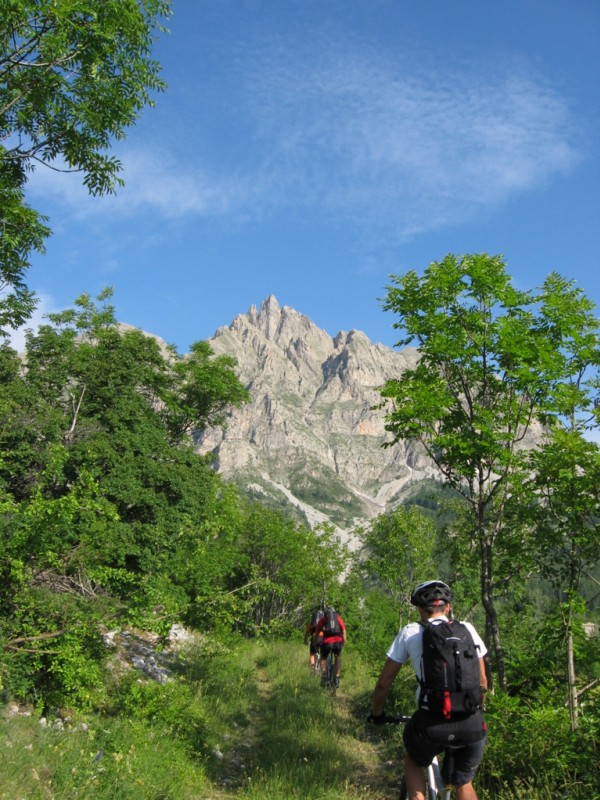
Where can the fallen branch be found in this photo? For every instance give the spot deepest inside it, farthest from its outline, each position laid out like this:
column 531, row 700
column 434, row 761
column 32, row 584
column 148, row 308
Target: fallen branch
column 37, row 638
column 35, row 650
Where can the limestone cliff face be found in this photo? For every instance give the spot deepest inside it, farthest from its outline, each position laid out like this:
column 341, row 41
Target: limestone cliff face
column 309, row 435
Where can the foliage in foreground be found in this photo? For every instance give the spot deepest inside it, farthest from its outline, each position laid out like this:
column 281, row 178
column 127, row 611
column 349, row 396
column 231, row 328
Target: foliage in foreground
column 245, row 719
column 493, row 362
column 74, row 76
column 109, row 516
column 110, row 519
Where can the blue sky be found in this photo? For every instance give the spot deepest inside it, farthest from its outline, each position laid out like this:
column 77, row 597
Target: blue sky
column 309, row 148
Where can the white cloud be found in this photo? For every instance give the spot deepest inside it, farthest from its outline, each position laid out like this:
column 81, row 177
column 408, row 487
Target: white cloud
column 418, row 147
column 393, row 143
column 152, row 180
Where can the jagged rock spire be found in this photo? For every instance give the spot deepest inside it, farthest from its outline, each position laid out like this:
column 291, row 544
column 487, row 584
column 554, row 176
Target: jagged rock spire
column 310, row 433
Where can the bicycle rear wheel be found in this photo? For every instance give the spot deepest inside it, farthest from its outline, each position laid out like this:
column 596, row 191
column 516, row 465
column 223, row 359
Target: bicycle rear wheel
column 331, row 670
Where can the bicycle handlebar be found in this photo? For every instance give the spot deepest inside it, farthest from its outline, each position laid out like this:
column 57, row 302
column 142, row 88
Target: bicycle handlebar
column 387, row 719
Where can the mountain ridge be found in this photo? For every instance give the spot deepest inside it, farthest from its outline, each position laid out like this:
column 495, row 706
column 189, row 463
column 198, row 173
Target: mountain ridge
column 310, row 438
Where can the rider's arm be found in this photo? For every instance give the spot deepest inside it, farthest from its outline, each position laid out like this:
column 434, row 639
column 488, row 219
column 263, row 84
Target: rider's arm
column 483, row 674
column 383, row 686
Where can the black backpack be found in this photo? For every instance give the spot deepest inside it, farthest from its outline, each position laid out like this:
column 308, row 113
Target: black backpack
column 317, row 615
column 451, row 682
column 331, row 626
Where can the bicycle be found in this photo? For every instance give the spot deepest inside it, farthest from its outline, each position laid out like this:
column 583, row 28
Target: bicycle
column 437, row 777
column 329, row 678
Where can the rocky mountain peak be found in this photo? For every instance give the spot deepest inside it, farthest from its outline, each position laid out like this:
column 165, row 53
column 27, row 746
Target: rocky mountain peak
column 267, row 319
column 309, row 437
column 280, row 325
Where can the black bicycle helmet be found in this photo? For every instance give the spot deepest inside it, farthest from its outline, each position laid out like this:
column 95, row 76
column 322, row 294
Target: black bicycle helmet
column 431, row 593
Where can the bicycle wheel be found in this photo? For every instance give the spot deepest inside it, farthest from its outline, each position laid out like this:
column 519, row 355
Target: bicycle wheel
column 331, row 669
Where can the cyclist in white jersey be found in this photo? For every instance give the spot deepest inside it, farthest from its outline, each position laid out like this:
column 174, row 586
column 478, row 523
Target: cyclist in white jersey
column 426, row 735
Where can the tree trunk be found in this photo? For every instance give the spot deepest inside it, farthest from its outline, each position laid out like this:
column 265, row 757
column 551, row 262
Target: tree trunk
column 573, row 700
column 574, row 578
column 490, row 609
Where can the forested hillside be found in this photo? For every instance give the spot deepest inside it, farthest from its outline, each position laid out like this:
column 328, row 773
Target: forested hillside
column 110, row 518
column 114, row 529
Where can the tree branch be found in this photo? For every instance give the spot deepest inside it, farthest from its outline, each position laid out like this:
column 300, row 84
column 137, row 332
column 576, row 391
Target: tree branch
column 10, row 644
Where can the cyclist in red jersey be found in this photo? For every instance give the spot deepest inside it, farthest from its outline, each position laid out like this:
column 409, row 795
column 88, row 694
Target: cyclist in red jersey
column 334, row 637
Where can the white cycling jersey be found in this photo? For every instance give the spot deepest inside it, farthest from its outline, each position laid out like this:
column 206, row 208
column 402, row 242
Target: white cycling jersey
column 408, row 644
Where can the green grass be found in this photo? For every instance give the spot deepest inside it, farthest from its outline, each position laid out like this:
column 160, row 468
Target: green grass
column 250, row 723
column 113, row 759
column 305, row 741
column 244, row 721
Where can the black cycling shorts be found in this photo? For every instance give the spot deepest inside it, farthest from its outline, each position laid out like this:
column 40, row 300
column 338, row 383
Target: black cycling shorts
column 426, row 736
column 333, row 647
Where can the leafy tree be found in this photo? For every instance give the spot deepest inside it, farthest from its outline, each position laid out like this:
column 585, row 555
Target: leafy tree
column 74, row 75
column 115, row 391
column 281, row 564
column 559, row 504
column 22, row 231
column 99, row 498
column 20, row 412
column 400, row 550
column 489, row 367
column 204, row 387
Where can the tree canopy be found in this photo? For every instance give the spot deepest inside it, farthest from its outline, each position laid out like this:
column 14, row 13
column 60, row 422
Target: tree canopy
column 493, row 361
column 74, row 75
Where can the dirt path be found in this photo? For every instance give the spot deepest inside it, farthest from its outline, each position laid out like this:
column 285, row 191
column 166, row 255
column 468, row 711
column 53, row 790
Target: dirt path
column 238, row 762
column 372, row 765
column 378, row 774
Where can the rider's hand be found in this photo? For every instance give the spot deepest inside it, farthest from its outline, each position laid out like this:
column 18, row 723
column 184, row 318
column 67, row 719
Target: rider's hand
column 376, row 719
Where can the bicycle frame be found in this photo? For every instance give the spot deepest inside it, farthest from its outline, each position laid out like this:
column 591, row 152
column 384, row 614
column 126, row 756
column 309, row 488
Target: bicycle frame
column 317, row 667
column 330, row 671
column 434, row 783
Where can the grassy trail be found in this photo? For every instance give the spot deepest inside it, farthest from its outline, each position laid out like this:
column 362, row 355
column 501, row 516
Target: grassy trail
column 299, row 741
column 241, row 721
column 252, row 724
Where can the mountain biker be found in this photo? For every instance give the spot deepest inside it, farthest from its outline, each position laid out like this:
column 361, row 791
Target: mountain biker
column 334, row 637
column 427, row 734
column 309, row 635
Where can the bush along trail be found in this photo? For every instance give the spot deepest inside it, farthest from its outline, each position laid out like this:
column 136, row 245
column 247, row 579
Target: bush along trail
column 246, row 719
